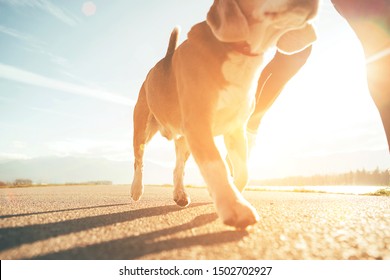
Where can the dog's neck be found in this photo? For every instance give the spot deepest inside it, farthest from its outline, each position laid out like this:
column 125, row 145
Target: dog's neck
column 203, row 31
column 242, row 48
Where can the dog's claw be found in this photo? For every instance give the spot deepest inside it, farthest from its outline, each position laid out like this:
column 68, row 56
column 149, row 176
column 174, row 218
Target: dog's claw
column 183, row 202
column 241, row 224
column 136, row 197
column 136, row 192
column 181, row 199
column 240, row 215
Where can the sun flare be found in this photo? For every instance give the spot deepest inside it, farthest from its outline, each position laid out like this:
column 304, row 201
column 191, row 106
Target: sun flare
column 325, row 109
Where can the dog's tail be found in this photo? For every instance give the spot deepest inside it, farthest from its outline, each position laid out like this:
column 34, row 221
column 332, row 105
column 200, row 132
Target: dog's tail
column 173, row 41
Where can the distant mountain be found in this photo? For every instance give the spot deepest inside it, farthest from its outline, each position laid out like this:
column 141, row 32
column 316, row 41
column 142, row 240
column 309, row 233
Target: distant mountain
column 73, row 169
column 307, row 165
column 76, row 169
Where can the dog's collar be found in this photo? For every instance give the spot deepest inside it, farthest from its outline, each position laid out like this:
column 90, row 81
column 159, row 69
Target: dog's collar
column 242, row 48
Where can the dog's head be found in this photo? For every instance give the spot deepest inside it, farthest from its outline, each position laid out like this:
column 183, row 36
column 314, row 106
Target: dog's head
column 262, row 23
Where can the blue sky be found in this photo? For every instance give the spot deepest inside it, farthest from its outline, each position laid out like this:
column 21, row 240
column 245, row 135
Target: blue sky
column 70, row 73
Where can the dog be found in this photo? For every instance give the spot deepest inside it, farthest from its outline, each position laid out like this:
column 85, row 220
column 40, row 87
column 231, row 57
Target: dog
column 206, row 87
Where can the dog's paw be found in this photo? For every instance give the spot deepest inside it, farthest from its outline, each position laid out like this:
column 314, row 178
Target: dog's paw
column 136, row 191
column 239, row 214
column 181, row 198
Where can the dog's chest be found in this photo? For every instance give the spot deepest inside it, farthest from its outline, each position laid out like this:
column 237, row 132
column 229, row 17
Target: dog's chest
column 236, row 99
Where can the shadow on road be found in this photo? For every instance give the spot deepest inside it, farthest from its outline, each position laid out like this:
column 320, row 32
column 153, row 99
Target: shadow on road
column 15, row 236
column 60, row 210
column 135, row 247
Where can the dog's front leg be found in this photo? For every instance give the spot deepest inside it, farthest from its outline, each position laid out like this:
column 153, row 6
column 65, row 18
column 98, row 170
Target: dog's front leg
column 237, row 148
column 231, row 207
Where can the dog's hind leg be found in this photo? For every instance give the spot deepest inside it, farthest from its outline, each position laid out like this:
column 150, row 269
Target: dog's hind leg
column 182, row 153
column 145, row 127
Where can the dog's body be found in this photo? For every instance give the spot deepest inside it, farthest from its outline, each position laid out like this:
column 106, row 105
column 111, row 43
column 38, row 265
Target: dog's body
column 229, row 92
column 207, row 86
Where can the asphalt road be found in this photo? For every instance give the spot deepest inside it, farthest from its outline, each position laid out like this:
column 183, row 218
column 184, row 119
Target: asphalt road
column 101, row 222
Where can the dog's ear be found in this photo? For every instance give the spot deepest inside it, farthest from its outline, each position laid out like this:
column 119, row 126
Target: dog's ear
column 296, row 40
column 227, row 21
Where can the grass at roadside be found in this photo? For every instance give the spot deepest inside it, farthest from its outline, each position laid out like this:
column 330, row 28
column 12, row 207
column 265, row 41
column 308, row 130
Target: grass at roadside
column 381, row 192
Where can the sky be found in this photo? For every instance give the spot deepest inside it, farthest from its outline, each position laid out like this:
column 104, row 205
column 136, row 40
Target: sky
column 70, row 72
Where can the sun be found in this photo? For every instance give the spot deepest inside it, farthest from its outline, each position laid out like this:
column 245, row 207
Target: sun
column 88, row 8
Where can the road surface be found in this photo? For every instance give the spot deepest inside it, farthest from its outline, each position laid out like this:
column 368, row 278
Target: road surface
column 101, row 222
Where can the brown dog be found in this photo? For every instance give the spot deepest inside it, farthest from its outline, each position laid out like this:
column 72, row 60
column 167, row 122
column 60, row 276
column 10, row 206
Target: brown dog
column 206, row 87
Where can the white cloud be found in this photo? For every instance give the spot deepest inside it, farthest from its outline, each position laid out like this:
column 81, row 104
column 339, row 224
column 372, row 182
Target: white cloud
column 114, row 150
column 19, row 145
column 54, row 112
column 14, row 33
column 19, row 35
column 22, row 76
column 46, row 6
column 34, row 45
column 12, row 156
